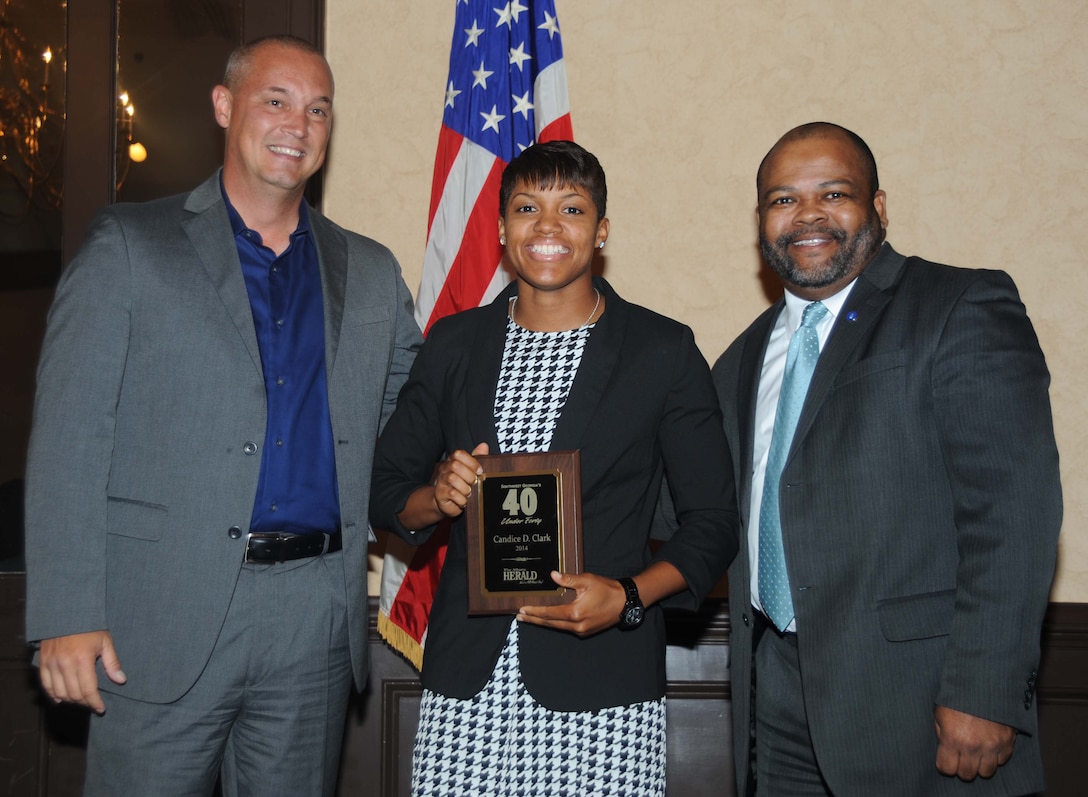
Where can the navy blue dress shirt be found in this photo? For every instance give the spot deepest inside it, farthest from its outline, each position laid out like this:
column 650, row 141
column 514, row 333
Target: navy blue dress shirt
column 297, row 490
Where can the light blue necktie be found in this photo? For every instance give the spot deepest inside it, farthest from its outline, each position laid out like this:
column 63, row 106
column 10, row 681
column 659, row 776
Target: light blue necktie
column 774, row 581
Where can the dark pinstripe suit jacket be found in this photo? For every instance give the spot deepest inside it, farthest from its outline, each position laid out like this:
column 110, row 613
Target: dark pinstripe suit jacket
column 920, row 511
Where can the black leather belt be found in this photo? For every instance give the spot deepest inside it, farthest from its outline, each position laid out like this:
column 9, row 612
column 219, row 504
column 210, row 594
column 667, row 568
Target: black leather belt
column 266, row 547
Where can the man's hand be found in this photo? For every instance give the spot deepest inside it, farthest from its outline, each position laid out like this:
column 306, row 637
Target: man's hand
column 67, row 665
column 968, row 745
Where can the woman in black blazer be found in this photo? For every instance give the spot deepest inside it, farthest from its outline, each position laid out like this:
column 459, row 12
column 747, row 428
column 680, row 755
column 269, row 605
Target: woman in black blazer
column 563, row 699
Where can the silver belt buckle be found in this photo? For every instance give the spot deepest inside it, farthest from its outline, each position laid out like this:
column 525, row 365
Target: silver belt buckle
column 263, row 535
column 245, row 551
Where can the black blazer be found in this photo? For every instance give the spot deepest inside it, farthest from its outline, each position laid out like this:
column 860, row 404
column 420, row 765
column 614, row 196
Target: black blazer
column 920, row 525
column 642, row 402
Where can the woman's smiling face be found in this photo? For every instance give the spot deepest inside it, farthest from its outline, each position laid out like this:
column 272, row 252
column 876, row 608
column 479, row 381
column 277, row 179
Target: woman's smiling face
column 551, row 234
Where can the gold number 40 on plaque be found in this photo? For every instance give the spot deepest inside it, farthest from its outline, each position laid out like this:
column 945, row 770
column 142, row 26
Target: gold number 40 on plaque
column 526, row 502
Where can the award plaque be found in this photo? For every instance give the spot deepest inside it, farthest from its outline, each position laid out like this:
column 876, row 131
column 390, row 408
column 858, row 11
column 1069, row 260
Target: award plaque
column 523, row 520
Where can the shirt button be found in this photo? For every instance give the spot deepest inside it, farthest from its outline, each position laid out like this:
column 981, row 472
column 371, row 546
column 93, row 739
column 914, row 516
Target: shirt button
column 273, row 507
column 279, row 322
column 279, row 443
column 250, row 448
column 280, row 381
column 234, row 532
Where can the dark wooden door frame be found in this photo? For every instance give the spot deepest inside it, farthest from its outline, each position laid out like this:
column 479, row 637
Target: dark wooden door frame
column 89, row 127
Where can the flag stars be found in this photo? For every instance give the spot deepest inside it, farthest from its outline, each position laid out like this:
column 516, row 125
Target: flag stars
column 515, row 10
column 473, row 35
column 491, row 120
column 481, row 75
column 519, row 56
column 486, row 99
column 551, row 24
column 451, row 93
column 522, row 104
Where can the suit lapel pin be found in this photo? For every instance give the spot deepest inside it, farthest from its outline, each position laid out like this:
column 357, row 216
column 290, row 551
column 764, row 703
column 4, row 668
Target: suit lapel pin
column 852, row 316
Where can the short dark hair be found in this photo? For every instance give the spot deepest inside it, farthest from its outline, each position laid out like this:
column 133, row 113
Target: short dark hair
column 826, row 129
column 240, row 59
column 552, row 164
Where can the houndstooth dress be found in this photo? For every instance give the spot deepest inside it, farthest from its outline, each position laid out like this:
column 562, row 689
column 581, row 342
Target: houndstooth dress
column 502, row 743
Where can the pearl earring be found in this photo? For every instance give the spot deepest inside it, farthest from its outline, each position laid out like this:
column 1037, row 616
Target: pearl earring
column 502, row 241
column 600, row 245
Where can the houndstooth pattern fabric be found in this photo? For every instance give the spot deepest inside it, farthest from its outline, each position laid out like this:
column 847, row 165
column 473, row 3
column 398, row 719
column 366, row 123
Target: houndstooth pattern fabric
column 502, row 743
column 537, row 371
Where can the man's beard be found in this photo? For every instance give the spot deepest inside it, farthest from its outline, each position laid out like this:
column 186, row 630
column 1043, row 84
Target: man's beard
column 853, row 253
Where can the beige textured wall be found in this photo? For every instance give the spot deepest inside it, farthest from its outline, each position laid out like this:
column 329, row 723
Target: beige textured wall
column 977, row 111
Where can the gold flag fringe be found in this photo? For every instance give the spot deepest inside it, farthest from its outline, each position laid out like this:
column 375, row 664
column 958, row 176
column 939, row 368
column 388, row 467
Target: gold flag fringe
column 399, row 639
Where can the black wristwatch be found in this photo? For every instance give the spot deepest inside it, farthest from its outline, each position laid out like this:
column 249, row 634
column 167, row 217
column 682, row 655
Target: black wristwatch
column 633, row 611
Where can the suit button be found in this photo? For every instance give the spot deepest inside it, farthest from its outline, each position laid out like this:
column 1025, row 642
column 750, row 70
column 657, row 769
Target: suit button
column 234, row 532
column 747, row 622
column 250, row 448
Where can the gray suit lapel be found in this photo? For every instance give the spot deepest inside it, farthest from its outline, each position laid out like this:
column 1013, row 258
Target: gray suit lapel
column 210, row 233
column 855, row 323
column 332, row 257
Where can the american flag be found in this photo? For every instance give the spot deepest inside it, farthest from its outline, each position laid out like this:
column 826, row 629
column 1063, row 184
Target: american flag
column 506, row 90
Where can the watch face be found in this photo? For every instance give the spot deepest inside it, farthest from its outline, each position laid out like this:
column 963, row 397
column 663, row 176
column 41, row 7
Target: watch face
column 632, row 616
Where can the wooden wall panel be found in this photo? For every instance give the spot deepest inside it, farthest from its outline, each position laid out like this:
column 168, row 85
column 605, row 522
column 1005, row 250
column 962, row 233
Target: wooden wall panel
column 42, row 745
column 1063, row 698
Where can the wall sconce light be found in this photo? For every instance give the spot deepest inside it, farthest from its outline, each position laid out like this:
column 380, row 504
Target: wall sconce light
column 129, row 150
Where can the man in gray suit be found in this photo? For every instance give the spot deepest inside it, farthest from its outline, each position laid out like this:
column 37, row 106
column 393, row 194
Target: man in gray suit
column 215, row 372
column 898, row 479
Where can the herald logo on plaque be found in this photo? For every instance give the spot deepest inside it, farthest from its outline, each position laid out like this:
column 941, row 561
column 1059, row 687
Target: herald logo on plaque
column 523, row 520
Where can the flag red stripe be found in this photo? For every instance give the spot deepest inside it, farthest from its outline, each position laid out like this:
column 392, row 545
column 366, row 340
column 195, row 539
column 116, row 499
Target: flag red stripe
column 559, row 130
column 471, row 272
column 449, row 145
column 415, row 595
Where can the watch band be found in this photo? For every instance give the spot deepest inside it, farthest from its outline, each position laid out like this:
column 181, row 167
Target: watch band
column 633, row 610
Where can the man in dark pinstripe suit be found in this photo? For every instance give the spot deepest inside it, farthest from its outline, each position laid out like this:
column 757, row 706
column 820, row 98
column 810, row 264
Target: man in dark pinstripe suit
column 919, row 503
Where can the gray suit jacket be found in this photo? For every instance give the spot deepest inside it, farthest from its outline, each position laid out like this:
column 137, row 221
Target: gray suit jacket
column 149, row 391
column 920, row 513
